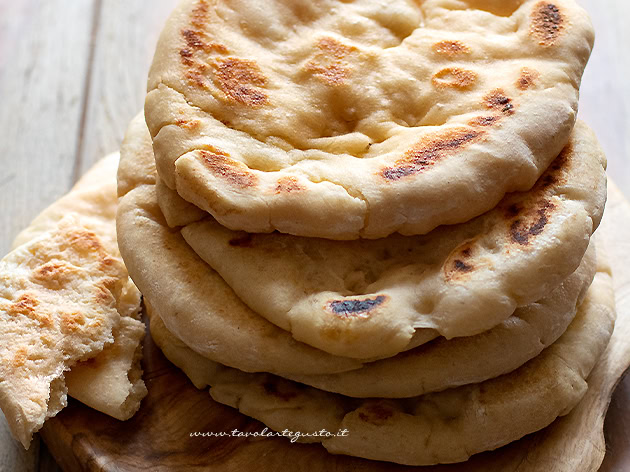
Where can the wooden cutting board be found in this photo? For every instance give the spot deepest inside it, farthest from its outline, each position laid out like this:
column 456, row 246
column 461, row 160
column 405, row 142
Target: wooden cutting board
column 158, row 438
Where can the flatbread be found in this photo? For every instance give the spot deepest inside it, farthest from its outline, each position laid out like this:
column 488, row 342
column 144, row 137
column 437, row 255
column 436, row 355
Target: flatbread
column 198, row 306
column 437, row 366
column 58, row 306
column 443, row 364
column 442, row 427
column 111, row 379
column 367, row 298
column 341, row 119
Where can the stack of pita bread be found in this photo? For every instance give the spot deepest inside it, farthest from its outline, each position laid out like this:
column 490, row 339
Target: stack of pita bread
column 371, row 218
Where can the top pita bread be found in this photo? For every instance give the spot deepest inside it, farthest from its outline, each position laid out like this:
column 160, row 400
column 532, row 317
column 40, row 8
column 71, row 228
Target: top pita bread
column 344, row 119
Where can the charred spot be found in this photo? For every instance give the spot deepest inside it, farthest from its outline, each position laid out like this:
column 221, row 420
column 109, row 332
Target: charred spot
column 430, row 150
column 454, row 77
column 513, row 210
column 561, row 161
column 467, row 252
column 461, row 266
column 240, row 80
column 329, row 64
column 450, row 48
column 288, row 184
column 521, row 232
column 527, row 78
column 497, row 100
column 271, row 388
column 395, row 173
column 484, row 121
column 234, row 172
column 548, row 180
column 247, row 240
column 352, row 307
column 547, row 23
column 376, row 413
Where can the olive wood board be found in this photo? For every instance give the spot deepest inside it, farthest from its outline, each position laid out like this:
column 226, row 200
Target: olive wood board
column 158, row 437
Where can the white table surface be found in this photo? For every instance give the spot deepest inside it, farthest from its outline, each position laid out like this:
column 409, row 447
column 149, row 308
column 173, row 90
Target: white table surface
column 73, row 73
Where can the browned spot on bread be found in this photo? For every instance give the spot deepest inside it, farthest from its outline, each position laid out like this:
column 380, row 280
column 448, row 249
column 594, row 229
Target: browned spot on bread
column 220, row 164
column 352, row 307
column 547, row 23
column 376, row 413
column 196, row 76
column 197, row 40
column 431, row 149
column 454, row 77
column 484, row 120
column 527, row 78
column 288, row 184
column 523, row 228
column 188, row 124
column 450, row 48
column 20, row 356
column 271, row 388
column 240, row 80
column 459, row 262
column 28, row 306
column 329, row 64
column 199, row 15
column 513, row 210
column 84, row 240
column 247, row 240
column 54, row 274
column 497, row 100
column 461, row 266
column 71, row 322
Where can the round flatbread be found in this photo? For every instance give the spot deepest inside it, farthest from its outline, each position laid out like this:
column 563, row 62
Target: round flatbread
column 198, row 306
column 443, row 364
column 442, row 427
column 341, row 119
column 368, row 298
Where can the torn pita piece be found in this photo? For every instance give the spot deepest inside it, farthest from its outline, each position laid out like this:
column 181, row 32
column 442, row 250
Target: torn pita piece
column 66, row 302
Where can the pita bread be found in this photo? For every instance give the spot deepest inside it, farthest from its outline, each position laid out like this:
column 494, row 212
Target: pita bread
column 110, row 382
column 436, row 366
column 443, row 427
column 344, row 119
column 443, row 363
column 198, row 306
column 58, row 306
column 137, row 164
column 366, row 298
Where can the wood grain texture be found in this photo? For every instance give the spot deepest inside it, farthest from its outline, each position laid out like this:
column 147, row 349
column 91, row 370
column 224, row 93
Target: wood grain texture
column 43, row 62
column 605, row 95
column 125, row 38
column 158, row 438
